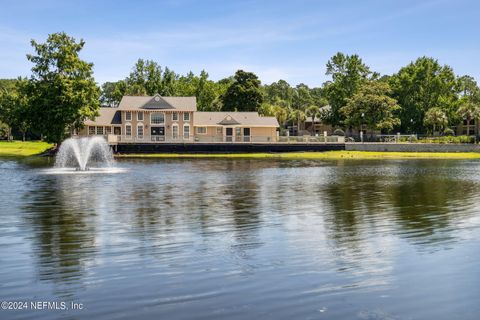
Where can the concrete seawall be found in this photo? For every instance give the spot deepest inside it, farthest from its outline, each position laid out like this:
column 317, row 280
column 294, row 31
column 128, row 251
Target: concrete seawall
column 411, row 147
column 225, row 147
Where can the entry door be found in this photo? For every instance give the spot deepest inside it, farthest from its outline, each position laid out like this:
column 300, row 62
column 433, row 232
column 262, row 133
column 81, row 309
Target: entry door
column 117, row 131
column 229, row 134
column 246, row 134
column 158, row 133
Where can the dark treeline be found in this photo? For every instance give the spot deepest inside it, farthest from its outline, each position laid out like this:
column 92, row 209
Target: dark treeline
column 423, row 96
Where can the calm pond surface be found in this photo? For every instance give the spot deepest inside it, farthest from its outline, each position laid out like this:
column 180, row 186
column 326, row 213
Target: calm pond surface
column 243, row 239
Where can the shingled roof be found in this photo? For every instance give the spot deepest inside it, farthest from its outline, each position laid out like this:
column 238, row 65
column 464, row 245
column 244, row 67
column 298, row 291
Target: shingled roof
column 158, row 102
column 251, row 119
column 107, row 116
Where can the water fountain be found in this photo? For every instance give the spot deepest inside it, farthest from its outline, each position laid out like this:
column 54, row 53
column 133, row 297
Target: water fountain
column 80, row 154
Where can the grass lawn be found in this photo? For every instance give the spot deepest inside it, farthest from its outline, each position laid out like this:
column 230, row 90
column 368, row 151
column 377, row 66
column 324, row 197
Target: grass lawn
column 329, row 155
column 22, row 149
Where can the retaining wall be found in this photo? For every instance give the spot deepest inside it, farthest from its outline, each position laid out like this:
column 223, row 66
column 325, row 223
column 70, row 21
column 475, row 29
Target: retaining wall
column 412, row 147
column 224, row 147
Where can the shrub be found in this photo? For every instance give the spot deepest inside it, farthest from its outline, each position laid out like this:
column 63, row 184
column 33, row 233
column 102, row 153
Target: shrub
column 449, row 132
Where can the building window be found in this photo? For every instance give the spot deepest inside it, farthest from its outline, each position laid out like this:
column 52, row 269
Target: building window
column 140, row 131
column 238, row 131
column 140, row 116
column 157, row 118
column 175, row 116
column 108, row 130
column 175, row 131
column 128, row 116
column 219, row 130
column 186, row 116
column 100, row 130
column 201, row 130
column 91, row 130
column 128, row 130
column 186, row 131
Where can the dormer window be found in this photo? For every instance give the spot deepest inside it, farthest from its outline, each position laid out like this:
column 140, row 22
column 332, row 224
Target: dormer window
column 128, row 116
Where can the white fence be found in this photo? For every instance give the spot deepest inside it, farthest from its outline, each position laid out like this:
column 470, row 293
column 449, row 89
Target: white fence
column 115, row 139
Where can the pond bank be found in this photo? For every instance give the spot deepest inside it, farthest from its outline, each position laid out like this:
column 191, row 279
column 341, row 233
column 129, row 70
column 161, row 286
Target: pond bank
column 23, row 149
column 328, row 155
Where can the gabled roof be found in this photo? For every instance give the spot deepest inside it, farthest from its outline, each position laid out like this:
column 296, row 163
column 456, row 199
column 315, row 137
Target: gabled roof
column 107, row 116
column 252, row 119
column 133, row 103
column 228, row 120
column 157, row 102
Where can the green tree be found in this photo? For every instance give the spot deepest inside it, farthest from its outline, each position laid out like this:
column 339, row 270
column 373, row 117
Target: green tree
column 435, row 118
column 280, row 90
column 468, row 111
column 244, row 93
column 299, row 117
column 112, row 93
column 301, row 97
column 348, row 73
column 314, row 113
column 205, row 92
column 62, row 90
column 371, row 106
column 422, row 85
column 14, row 107
column 282, row 114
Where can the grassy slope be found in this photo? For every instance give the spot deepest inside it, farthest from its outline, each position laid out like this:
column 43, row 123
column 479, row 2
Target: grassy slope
column 330, row 155
column 22, row 149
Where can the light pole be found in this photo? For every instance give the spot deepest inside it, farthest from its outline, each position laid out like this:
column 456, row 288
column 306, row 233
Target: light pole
column 361, row 127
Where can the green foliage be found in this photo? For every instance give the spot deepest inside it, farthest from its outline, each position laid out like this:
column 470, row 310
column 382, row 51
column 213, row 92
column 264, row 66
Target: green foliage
column 435, row 118
column 244, row 93
column 4, row 131
column 422, row 85
column 371, row 106
column 62, row 91
column 448, row 139
column 449, row 132
column 339, row 132
column 299, row 117
column 348, row 74
column 112, row 93
column 14, row 107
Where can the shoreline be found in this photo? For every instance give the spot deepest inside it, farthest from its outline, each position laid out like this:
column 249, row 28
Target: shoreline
column 326, row 155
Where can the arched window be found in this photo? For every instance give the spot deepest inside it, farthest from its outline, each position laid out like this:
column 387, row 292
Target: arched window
column 175, row 131
column 140, row 131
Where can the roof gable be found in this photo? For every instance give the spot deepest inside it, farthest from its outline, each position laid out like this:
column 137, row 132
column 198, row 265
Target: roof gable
column 157, row 102
column 228, row 120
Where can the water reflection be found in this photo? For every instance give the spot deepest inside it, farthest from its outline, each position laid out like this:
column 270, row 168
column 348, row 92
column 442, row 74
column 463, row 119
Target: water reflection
column 207, row 237
column 63, row 229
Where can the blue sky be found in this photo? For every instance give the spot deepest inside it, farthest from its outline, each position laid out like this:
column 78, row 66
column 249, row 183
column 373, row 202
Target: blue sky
column 289, row 40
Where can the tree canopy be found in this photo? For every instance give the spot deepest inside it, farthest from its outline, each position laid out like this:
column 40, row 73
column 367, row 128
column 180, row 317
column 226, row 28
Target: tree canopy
column 62, row 92
column 422, row 85
column 371, row 106
column 348, row 73
column 244, row 94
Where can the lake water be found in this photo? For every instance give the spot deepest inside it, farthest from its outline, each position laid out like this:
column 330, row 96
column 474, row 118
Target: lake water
column 243, row 239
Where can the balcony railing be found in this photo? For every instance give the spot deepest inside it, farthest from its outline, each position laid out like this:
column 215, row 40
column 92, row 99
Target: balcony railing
column 114, row 139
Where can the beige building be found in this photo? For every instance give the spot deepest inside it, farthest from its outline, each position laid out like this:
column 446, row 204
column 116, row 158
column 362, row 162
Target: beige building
column 142, row 119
